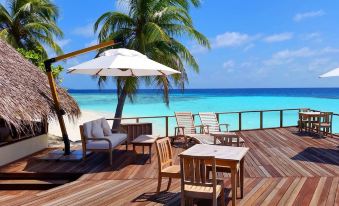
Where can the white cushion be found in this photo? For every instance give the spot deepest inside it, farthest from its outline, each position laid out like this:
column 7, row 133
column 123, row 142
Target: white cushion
column 87, row 129
column 97, row 131
column 106, row 127
column 115, row 139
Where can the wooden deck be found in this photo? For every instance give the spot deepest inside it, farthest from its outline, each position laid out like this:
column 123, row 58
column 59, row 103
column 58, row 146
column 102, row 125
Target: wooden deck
column 281, row 168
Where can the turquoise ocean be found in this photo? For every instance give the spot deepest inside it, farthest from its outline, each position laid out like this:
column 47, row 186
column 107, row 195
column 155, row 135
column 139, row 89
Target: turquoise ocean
column 150, row 103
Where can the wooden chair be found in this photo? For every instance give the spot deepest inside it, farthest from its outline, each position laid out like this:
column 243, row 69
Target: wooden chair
column 302, row 122
column 166, row 167
column 325, row 123
column 187, row 129
column 211, row 125
column 194, row 182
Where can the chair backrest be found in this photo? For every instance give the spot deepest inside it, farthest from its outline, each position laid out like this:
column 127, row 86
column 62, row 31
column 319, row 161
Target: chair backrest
column 193, row 171
column 210, row 119
column 164, row 152
column 303, row 110
column 326, row 117
column 185, row 119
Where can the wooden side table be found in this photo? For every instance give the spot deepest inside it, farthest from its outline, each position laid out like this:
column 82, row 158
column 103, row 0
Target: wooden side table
column 145, row 140
column 134, row 130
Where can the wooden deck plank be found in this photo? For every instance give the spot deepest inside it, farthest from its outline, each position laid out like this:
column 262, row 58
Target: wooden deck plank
column 281, row 168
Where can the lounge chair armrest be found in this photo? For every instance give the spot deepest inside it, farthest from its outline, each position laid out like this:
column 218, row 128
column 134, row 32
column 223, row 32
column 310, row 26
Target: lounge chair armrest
column 99, row 139
column 120, row 129
column 226, row 126
column 202, row 128
column 177, row 129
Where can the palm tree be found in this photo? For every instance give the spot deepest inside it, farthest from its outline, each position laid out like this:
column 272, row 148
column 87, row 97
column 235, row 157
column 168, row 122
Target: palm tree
column 152, row 28
column 30, row 24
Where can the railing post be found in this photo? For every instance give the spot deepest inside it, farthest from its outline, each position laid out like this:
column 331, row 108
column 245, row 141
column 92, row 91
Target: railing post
column 166, row 119
column 218, row 117
column 239, row 121
column 261, row 119
column 281, row 118
column 137, row 120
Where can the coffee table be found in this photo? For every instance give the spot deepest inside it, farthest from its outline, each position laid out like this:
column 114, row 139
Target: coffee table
column 232, row 135
column 145, row 140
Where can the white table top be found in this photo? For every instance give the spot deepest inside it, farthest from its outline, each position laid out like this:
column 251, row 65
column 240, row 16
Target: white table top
column 310, row 113
column 145, row 138
column 223, row 134
column 219, row 152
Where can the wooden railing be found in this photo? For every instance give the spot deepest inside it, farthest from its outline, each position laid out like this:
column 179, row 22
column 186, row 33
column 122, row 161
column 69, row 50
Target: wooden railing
column 239, row 114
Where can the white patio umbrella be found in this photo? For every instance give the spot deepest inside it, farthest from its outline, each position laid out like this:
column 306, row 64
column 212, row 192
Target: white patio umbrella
column 332, row 73
column 122, row 62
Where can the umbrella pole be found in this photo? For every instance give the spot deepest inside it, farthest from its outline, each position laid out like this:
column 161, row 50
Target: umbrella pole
column 59, row 111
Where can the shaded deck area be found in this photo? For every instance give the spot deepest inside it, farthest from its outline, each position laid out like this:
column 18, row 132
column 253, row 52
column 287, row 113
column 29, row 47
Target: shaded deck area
column 281, row 168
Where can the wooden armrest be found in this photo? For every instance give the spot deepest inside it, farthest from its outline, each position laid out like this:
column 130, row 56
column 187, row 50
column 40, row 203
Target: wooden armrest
column 120, row 129
column 226, row 125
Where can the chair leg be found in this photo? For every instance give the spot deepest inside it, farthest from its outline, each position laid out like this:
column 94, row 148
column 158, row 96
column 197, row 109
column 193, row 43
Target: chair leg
column 126, row 145
column 111, row 157
column 159, row 183
column 222, row 197
column 182, row 199
column 169, row 183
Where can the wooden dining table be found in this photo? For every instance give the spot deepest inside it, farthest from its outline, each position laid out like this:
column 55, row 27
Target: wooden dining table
column 309, row 116
column 228, row 156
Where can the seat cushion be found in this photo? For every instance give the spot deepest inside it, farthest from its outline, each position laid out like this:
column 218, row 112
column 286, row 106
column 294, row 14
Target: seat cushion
column 115, row 139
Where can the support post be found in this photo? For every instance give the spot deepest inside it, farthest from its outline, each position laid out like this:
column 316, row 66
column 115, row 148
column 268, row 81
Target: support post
column 166, row 126
column 281, row 118
column 261, row 119
column 59, row 112
column 240, row 121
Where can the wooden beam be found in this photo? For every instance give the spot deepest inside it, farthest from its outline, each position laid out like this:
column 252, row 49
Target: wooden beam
column 85, row 50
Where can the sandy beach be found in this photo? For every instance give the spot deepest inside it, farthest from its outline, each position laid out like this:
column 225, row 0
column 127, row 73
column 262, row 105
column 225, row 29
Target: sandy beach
column 73, row 127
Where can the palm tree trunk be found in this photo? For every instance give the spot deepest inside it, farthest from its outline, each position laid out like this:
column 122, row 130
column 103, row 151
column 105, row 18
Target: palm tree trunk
column 120, row 107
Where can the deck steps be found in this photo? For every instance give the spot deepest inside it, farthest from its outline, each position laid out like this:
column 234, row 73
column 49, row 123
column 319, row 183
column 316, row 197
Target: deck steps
column 35, row 181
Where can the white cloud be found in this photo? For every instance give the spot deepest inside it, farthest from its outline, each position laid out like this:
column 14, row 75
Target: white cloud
column 279, row 37
column 231, row 39
column 228, row 64
column 63, row 42
column 311, row 14
column 197, row 49
column 248, row 47
column 84, row 31
column 287, row 55
column 314, row 36
column 91, row 43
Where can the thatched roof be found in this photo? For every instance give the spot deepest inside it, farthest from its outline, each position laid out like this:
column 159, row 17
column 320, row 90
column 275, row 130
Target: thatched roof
column 25, row 92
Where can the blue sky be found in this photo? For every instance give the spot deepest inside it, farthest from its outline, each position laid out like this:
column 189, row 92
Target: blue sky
column 261, row 43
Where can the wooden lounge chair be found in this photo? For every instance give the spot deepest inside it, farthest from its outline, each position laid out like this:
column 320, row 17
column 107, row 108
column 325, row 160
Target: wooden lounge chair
column 325, row 123
column 187, row 129
column 195, row 184
column 212, row 126
column 165, row 162
column 97, row 136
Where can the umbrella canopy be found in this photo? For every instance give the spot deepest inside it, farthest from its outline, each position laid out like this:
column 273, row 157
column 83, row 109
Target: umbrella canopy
column 122, row 62
column 332, row 73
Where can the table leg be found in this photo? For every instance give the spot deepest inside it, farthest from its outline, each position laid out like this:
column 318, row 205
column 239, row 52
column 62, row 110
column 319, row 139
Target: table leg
column 134, row 148
column 234, row 183
column 309, row 124
column 150, row 153
column 242, row 177
column 143, row 149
